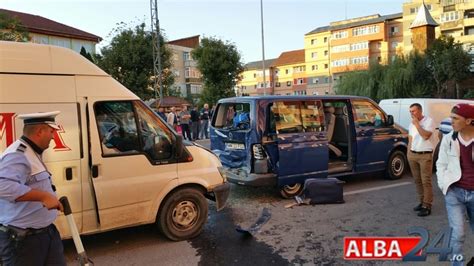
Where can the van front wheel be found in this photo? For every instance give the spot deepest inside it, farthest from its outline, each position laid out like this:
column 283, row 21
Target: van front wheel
column 396, row 165
column 183, row 214
column 290, row 191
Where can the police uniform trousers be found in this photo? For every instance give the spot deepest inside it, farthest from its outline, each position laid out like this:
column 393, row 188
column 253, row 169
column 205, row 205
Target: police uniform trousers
column 39, row 247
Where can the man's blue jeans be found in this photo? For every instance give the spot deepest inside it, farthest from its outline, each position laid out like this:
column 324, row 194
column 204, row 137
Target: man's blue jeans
column 459, row 202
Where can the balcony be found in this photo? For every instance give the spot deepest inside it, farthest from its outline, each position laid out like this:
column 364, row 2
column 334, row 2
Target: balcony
column 451, row 25
column 190, row 63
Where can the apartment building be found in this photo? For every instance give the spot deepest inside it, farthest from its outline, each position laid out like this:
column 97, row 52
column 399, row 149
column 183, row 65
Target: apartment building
column 45, row 31
column 290, row 73
column 252, row 82
column 455, row 18
column 317, row 52
column 356, row 42
column 188, row 79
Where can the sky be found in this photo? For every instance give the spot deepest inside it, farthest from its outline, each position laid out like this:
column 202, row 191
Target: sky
column 236, row 21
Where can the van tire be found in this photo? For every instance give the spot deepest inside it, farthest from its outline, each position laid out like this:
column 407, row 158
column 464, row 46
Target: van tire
column 396, row 165
column 183, row 215
column 290, row 191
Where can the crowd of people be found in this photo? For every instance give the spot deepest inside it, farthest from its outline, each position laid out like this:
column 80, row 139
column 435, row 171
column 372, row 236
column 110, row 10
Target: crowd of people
column 192, row 124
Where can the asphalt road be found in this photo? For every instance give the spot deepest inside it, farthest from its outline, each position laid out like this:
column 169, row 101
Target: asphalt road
column 302, row 235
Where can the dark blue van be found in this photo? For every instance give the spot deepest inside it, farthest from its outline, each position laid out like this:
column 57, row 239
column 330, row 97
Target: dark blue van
column 283, row 140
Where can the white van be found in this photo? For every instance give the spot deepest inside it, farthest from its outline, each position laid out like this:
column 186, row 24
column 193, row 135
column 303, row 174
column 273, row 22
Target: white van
column 437, row 109
column 118, row 163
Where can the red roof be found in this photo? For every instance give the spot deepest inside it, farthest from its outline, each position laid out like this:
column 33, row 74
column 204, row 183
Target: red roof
column 290, row 57
column 191, row 42
column 41, row 25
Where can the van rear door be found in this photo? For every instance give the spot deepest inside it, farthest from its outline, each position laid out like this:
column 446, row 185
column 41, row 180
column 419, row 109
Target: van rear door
column 132, row 161
column 301, row 139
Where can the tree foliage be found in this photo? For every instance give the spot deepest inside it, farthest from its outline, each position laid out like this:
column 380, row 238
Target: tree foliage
column 129, row 59
column 11, row 29
column 449, row 64
column 416, row 75
column 220, row 66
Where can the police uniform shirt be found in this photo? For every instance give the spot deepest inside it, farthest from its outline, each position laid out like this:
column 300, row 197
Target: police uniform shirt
column 22, row 169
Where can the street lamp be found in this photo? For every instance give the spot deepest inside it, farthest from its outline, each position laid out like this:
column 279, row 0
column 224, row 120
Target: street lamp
column 263, row 50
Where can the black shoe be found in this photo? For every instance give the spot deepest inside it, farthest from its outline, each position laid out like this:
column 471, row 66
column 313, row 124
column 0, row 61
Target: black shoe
column 418, row 208
column 424, row 211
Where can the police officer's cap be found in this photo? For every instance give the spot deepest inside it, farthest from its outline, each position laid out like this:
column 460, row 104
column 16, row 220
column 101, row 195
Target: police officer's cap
column 40, row 118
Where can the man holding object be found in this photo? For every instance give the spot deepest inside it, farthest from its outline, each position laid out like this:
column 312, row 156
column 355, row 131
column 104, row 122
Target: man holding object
column 28, row 202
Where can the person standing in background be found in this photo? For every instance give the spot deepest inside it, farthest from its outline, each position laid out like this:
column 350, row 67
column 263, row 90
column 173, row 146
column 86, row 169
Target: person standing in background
column 204, row 115
column 195, row 123
column 172, row 118
column 185, row 117
column 420, row 157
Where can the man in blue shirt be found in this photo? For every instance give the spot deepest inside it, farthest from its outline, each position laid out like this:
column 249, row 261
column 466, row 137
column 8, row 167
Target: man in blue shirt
column 28, row 203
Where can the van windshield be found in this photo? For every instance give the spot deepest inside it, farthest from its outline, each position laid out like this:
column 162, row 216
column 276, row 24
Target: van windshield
column 232, row 116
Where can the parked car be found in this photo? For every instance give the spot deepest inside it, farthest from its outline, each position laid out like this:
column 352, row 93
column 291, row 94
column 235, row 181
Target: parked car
column 283, row 140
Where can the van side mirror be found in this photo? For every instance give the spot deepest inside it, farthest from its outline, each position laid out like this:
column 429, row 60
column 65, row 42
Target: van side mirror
column 390, row 120
column 179, row 146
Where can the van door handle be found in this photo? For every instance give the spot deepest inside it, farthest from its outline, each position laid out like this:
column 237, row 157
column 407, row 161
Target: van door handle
column 69, row 173
column 95, row 171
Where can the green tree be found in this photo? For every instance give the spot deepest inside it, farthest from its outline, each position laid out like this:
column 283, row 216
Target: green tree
column 129, row 59
column 220, row 66
column 449, row 64
column 11, row 29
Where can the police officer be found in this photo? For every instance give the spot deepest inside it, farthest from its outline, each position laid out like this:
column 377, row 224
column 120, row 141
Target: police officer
column 28, row 203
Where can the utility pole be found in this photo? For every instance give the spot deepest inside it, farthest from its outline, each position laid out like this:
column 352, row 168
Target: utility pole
column 263, row 50
column 155, row 30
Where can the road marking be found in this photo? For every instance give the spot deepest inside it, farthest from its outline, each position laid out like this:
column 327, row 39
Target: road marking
column 376, row 188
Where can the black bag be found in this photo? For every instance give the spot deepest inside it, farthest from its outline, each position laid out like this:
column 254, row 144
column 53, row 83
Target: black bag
column 324, row 190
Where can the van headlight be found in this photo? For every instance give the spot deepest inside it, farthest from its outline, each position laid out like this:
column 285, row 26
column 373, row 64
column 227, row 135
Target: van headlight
column 258, row 152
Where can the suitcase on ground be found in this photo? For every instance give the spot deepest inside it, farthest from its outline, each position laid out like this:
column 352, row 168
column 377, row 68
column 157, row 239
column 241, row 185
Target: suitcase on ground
column 324, row 190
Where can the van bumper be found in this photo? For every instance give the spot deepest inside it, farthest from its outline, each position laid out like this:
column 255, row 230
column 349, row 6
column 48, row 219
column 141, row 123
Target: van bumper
column 237, row 176
column 221, row 194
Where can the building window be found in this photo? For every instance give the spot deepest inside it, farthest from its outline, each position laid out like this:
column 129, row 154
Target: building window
column 287, row 71
column 340, row 35
column 299, row 69
column 326, row 53
column 359, row 46
column 314, row 54
column 326, row 80
column 254, row 75
column 276, row 73
column 359, row 60
column 365, row 30
column 315, row 80
column 299, row 81
column 288, row 83
column 340, row 62
column 314, row 67
column 314, row 41
column 255, row 86
column 413, row 10
column 449, row 16
column 325, row 39
column 186, row 56
column 394, row 30
column 277, row 84
column 195, row 89
column 394, row 45
column 187, row 72
column 326, row 66
column 340, row 48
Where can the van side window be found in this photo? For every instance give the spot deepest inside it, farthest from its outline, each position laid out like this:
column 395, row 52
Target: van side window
column 367, row 115
column 287, row 117
column 117, row 128
column 313, row 116
column 156, row 138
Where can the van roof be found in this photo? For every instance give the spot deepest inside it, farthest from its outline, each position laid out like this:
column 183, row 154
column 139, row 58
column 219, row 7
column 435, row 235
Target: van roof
column 292, row 97
column 33, row 58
